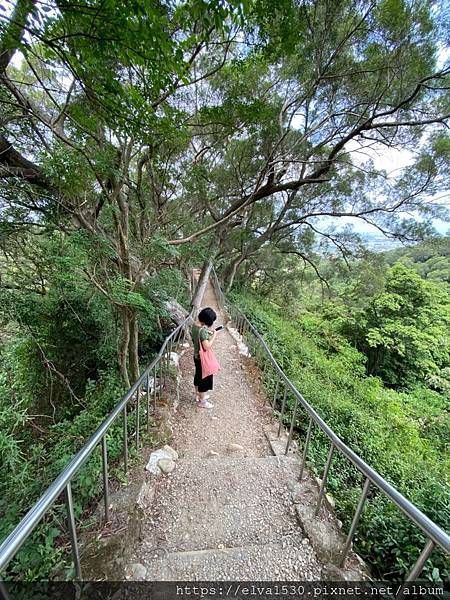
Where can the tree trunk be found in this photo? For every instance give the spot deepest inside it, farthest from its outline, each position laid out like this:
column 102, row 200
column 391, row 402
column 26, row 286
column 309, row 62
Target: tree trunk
column 201, row 286
column 230, row 272
column 123, row 345
column 133, row 346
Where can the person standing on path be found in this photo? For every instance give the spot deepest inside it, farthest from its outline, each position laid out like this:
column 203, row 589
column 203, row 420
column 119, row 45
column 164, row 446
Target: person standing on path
column 202, row 335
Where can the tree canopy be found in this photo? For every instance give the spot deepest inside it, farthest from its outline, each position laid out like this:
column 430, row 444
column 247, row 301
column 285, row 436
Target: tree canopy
column 165, row 130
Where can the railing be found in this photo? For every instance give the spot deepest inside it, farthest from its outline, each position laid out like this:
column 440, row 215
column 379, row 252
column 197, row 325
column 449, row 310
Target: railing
column 153, row 373
column 434, row 534
column 11, row 545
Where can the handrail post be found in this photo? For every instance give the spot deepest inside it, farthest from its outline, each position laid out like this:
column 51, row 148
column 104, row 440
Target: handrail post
column 282, row 411
column 264, row 367
column 276, row 393
column 138, row 404
column 324, row 478
column 355, row 522
column 73, row 530
column 4, row 595
column 291, row 429
column 164, row 365
column 418, row 567
column 105, row 477
column 125, row 440
column 305, row 449
column 424, row 556
column 148, row 402
column 154, row 386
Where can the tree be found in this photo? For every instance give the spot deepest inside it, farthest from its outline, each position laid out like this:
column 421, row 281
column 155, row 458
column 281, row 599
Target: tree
column 286, row 125
column 225, row 127
column 89, row 139
column 403, row 329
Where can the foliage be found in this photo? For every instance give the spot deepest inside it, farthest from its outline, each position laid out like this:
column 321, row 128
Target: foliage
column 431, row 259
column 403, row 328
column 58, row 379
column 403, row 435
column 38, row 451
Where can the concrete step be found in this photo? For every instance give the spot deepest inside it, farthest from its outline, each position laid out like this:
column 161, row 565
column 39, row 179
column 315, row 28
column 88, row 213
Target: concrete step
column 291, row 558
column 230, row 502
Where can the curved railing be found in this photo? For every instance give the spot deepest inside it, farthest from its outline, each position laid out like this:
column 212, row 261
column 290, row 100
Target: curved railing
column 153, row 373
column 434, row 534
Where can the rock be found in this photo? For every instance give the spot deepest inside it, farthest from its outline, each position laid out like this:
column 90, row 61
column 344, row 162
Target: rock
column 136, row 572
column 166, row 465
column 334, row 573
column 176, row 311
column 151, row 385
column 171, row 452
column 330, row 501
column 235, row 448
column 212, row 453
column 164, row 453
column 145, row 495
column 175, row 359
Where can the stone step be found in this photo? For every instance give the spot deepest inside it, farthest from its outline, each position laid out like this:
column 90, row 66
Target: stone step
column 237, row 502
column 291, row 558
column 231, row 476
column 226, row 525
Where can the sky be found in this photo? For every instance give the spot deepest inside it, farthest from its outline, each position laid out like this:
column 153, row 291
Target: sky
column 393, row 161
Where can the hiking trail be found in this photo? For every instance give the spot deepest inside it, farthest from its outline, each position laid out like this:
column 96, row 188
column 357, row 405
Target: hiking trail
column 228, row 515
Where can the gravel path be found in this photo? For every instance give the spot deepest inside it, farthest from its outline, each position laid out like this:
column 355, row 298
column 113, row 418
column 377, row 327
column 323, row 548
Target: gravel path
column 226, row 511
column 237, row 416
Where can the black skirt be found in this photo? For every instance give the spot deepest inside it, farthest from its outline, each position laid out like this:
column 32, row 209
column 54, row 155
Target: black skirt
column 203, row 385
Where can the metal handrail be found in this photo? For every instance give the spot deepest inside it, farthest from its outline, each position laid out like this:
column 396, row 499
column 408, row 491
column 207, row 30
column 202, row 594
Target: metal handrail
column 14, row 541
column 436, row 536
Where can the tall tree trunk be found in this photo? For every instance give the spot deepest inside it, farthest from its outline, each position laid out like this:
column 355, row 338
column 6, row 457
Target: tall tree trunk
column 133, row 346
column 201, row 286
column 124, row 344
column 230, row 272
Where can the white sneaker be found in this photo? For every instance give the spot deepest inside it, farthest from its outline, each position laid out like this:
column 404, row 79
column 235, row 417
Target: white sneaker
column 205, row 404
column 205, row 398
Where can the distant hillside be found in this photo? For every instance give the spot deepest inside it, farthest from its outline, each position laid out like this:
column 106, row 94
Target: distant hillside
column 431, row 258
column 377, row 242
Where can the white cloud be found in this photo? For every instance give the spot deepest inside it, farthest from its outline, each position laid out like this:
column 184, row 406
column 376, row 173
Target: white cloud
column 391, row 160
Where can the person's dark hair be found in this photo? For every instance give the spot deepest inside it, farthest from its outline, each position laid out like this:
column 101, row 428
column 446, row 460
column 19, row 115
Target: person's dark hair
column 207, row 316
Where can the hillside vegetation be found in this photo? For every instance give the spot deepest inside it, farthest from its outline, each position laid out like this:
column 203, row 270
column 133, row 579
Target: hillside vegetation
column 431, row 259
column 374, row 361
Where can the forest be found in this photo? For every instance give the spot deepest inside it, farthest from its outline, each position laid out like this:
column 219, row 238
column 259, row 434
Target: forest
column 141, row 139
